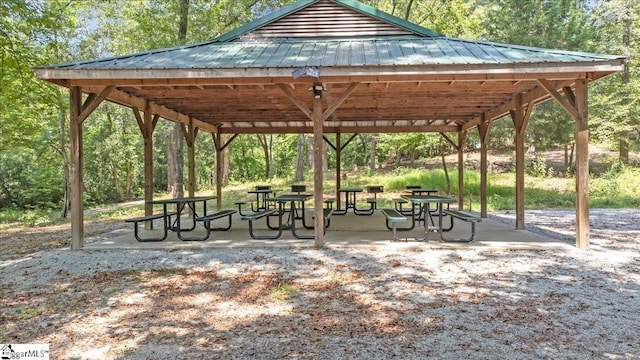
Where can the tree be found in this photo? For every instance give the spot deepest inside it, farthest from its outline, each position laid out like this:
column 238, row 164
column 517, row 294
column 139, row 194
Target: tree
column 563, row 24
column 614, row 106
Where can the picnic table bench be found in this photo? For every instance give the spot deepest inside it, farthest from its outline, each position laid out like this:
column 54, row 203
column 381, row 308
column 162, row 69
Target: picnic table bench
column 206, row 221
column 392, row 217
column 259, row 215
column 456, row 214
column 138, row 220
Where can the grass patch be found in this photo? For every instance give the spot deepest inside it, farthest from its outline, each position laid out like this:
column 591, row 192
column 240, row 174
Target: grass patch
column 284, row 290
column 617, row 187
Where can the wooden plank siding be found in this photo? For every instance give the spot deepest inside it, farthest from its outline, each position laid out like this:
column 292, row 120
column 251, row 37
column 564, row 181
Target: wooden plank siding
column 326, row 19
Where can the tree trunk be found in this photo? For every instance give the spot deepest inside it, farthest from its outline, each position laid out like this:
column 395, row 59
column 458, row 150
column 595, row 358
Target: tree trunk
column 325, row 163
column 572, row 148
column 66, row 203
column 309, row 141
column 372, row 153
column 408, row 12
column 225, row 166
column 171, row 162
column 264, row 143
column 624, row 151
column 446, row 170
column 300, row 159
column 128, row 179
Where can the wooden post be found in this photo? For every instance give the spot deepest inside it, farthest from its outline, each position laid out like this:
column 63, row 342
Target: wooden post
column 462, row 135
column 517, row 117
column 148, row 162
column 520, row 117
column 483, row 129
column 582, row 165
column 75, row 133
column 338, row 168
column 190, row 132
column 576, row 105
column 317, row 168
column 217, row 140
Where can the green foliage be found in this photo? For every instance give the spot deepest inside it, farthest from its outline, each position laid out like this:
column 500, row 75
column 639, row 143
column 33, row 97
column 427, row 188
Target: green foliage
column 34, row 115
column 538, row 168
column 617, row 188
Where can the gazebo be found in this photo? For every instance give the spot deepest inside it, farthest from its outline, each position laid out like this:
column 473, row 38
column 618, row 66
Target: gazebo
column 335, row 67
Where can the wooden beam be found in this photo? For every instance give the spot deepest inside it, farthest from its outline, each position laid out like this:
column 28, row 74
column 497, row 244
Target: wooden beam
column 534, row 95
column 570, row 96
column 339, row 101
column 451, row 142
column 333, row 129
column 329, row 143
column 123, row 98
column 526, row 118
column 229, row 141
column 297, row 102
column 551, row 89
column 92, row 104
column 75, row 134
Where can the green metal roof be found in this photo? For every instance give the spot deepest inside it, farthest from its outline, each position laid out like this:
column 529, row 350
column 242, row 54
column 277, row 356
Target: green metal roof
column 301, row 4
column 338, row 53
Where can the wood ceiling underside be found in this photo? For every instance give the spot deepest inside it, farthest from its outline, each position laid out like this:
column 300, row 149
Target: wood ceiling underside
column 372, row 107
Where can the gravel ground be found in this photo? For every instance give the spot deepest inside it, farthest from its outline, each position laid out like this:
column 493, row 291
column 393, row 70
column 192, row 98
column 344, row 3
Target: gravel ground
column 336, row 304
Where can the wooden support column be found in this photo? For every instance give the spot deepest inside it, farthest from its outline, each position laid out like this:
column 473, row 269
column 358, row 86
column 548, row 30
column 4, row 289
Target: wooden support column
column 318, row 155
column 338, row 147
column 462, row 135
column 79, row 111
column 520, row 117
column 338, row 167
column 317, row 116
column 190, row 133
column 576, row 105
column 75, row 133
column 147, row 125
column 217, row 141
column 484, row 129
column 582, row 165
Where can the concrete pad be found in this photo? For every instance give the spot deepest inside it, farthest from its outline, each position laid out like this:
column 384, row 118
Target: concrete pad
column 346, row 231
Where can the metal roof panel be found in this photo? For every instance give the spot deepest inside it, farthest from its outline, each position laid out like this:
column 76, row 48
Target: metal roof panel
column 360, row 52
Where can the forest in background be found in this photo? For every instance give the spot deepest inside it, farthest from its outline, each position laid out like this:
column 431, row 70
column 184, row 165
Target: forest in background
column 34, row 115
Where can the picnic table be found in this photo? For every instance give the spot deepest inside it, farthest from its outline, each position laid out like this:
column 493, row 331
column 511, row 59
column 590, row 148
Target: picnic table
column 350, row 200
column 290, row 223
column 424, row 202
column 262, row 193
column 180, row 205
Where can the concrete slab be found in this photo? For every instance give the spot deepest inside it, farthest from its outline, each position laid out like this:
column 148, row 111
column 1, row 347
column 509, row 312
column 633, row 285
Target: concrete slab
column 347, row 231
